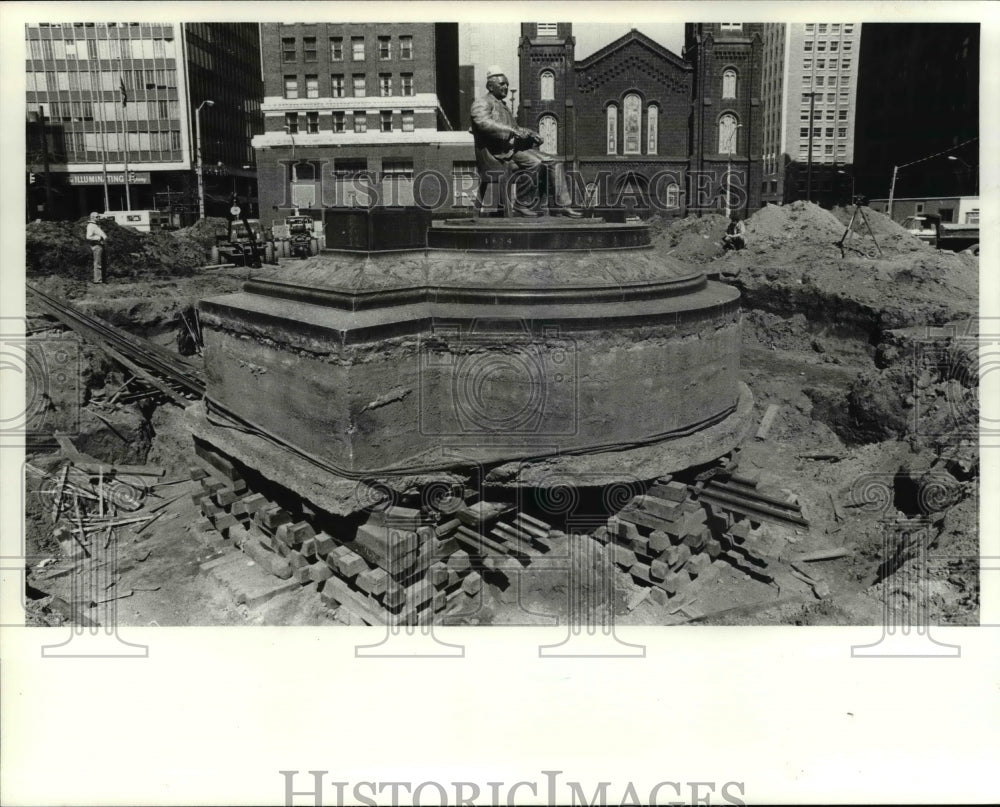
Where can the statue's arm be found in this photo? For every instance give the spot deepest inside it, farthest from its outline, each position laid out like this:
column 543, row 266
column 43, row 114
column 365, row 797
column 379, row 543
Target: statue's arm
column 482, row 121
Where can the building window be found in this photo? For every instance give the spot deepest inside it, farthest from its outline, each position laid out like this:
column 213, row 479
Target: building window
column 820, row 80
column 804, row 132
column 834, row 46
column 972, row 217
column 673, row 197
column 359, row 85
column 821, row 47
column 807, row 64
column 841, row 150
column 407, row 120
column 312, row 86
column 309, row 49
column 336, row 48
column 338, row 121
column 312, row 122
column 822, row 27
column 729, row 83
column 807, row 81
column 845, row 64
column 384, row 84
column 287, row 48
column 385, row 47
column 829, row 131
column 842, row 114
column 828, row 148
column 821, row 64
column 834, row 64
column 406, row 47
column 350, row 167
column 337, row 86
column 808, row 46
column 292, row 122
column 804, row 114
column 397, row 168
column 464, row 182
column 652, row 128
column 829, row 114
column 358, row 48
column 548, row 86
column 385, row 120
column 548, row 128
column 546, row 29
column 407, row 83
column 731, row 26
column 810, row 27
column 360, row 122
column 632, row 124
column 612, row 129
column 291, row 87
column 848, row 46
column 727, row 134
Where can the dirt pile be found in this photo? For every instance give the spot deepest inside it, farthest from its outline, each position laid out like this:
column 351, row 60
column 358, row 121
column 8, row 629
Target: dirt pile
column 891, row 237
column 695, row 239
column 203, row 232
column 60, row 248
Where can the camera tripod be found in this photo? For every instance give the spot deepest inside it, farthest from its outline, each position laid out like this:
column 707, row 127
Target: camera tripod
column 858, row 208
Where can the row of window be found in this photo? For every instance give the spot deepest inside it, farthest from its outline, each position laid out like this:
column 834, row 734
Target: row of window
column 631, row 126
column 83, row 49
column 357, row 120
column 821, row 46
column 818, row 131
column 827, row 64
column 96, row 142
column 830, row 97
column 107, row 110
column 359, row 86
column 824, row 81
column 823, row 114
column 54, row 80
column 833, row 27
column 828, row 149
column 310, row 52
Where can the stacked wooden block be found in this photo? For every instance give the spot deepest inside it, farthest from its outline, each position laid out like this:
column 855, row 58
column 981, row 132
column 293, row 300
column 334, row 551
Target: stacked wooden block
column 497, row 535
column 663, row 539
column 399, row 567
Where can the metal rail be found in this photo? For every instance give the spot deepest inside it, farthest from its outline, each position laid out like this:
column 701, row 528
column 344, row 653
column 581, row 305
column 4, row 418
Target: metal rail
column 144, row 358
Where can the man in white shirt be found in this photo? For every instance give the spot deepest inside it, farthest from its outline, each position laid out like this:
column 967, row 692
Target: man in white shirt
column 96, row 239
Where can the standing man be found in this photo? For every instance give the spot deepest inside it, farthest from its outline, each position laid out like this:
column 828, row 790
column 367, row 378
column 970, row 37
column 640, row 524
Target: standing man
column 498, row 134
column 96, row 239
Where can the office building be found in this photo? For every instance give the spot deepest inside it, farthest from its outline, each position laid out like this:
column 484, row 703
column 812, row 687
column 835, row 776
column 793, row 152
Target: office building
column 809, row 80
column 111, row 115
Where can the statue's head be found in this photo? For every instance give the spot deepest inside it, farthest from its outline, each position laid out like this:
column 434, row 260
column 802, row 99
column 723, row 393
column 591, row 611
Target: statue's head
column 496, row 82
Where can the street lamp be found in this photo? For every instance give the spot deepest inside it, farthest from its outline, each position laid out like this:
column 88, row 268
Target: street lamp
column 845, row 173
column 291, row 136
column 729, row 161
column 953, row 158
column 197, row 139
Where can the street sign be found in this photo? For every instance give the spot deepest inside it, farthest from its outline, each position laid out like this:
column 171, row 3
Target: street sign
column 234, row 210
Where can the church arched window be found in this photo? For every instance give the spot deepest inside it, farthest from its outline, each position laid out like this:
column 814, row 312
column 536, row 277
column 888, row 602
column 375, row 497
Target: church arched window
column 632, row 124
column 612, row 129
column 549, row 130
column 548, row 86
column 729, row 83
column 652, row 128
column 727, row 134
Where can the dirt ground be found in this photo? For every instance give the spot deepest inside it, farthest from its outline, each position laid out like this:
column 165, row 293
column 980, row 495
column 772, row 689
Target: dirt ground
column 868, row 354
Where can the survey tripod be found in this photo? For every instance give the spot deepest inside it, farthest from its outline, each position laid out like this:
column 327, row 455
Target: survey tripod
column 859, row 202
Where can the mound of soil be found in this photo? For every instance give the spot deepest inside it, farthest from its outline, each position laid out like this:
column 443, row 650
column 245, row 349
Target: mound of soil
column 693, row 239
column 60, row 248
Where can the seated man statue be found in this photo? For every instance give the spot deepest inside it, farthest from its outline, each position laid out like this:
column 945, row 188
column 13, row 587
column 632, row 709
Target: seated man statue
column 498, row 135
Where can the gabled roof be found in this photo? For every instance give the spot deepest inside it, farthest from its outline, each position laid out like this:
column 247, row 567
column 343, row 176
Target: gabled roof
column 641, row 39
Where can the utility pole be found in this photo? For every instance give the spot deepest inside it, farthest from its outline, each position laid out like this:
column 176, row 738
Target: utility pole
column 45, row 162
column 892, row 189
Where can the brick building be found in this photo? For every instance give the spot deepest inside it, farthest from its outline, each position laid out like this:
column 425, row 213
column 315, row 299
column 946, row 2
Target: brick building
column 619, row 117
column 725, row 113
column 80, row 137
column 364, row 114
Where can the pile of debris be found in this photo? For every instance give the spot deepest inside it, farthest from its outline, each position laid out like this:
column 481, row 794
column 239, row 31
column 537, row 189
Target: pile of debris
column 60, row 248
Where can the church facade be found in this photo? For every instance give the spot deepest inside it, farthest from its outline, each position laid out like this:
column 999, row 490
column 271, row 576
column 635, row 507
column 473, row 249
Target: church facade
column 643, row 128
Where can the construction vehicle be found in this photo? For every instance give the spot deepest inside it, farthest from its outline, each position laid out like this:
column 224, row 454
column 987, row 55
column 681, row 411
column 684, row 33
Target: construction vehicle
column 244, row 243
column 948, row 235
column 298, row 237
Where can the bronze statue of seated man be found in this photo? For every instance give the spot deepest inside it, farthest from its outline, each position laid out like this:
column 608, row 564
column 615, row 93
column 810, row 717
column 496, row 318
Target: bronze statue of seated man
column 499, row 139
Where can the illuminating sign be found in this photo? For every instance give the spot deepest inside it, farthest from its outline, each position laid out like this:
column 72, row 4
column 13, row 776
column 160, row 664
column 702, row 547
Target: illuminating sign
column 114, row 178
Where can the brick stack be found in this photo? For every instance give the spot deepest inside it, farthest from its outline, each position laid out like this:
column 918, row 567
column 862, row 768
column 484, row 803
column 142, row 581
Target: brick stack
column 663, row 539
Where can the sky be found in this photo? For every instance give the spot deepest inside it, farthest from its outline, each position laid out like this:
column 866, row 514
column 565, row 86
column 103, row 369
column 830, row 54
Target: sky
column 485, row 44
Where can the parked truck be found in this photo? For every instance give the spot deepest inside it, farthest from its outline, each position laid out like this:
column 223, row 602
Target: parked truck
column 299, row 236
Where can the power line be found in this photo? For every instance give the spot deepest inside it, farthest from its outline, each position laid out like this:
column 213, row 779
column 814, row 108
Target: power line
column 932, row 156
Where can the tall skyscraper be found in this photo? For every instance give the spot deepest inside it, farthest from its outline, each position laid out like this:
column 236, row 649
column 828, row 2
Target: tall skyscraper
column 809, row 82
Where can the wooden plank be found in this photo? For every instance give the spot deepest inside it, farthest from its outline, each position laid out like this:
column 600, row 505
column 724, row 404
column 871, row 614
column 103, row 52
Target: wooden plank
column 767, row 421
column 336, row 589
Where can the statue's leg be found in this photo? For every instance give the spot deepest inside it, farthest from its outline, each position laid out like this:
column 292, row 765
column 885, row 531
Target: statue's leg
column 525, row 180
